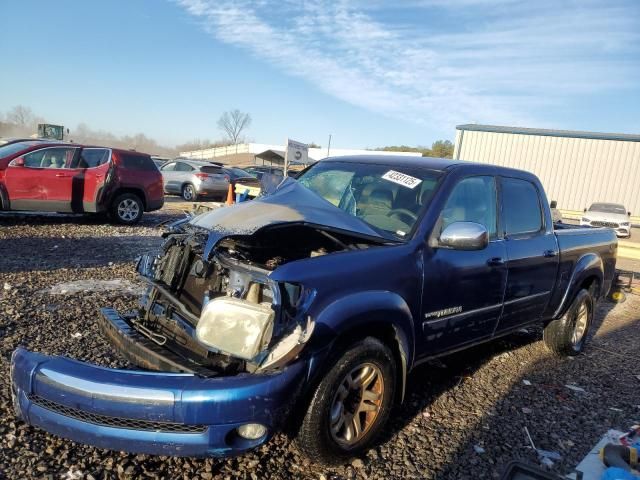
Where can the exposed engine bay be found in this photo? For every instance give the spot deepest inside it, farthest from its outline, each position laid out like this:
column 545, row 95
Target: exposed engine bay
column 219, row 310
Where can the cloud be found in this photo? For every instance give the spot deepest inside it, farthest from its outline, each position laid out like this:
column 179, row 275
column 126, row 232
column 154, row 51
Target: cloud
column 436, row 62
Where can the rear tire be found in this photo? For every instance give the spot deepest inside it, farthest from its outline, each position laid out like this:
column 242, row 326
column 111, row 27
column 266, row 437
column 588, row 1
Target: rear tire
column 351, row 405
column 567, row 335
column 189, row 193
column 127, row 209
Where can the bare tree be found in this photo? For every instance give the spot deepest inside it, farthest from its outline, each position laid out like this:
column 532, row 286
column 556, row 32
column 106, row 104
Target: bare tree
column 233, row 123
column 21, row 116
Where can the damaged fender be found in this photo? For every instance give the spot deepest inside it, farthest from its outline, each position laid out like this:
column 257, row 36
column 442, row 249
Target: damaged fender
column 367, row 311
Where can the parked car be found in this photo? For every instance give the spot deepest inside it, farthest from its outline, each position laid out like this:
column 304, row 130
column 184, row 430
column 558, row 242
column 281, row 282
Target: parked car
column 259, row 170
column 193, row 179
column 159, row 161
column 310, row 305
column 66, row 177
column 611, row 215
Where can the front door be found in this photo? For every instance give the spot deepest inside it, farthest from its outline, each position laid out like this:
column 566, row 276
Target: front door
column 532, row 254
column 41, row 181
column 464, row 289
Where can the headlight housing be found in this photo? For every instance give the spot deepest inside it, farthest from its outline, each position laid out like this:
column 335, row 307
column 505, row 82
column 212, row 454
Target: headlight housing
column 236, row 327
column 585, row 219
column 624, row 224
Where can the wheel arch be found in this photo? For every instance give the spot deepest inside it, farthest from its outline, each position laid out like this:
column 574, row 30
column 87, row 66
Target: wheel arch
column 383, row 315
column 134, row 190
column 587, row 273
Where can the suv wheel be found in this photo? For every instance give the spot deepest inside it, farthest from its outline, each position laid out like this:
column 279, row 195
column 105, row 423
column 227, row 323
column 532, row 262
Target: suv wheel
column 189, row 193
column 351, row 404
column 567, row 335
column 127, row 209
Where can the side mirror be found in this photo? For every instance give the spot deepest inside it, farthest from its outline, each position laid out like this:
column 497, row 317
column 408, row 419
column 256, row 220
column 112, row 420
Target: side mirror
column 464, row 236
column 554, row 204
column 585, row 209
column 18, row 162
column 629, row 214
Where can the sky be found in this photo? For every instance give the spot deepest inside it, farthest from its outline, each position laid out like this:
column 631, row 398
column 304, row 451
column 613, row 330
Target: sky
column 368, row 72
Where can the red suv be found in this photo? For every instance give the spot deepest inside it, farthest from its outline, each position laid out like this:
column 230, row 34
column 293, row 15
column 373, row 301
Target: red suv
column 65, row 177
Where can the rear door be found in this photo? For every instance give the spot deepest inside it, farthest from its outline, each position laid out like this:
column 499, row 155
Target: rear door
column 43, row 182
column 89, row 170
column 532, row 253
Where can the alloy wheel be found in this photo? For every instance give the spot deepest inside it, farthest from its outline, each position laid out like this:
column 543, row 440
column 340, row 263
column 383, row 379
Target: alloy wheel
column 188, row 192
column 582, row 321
column 128, row 210
column 356, row 404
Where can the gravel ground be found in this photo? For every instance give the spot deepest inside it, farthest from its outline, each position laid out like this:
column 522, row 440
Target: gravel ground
column 464, row 416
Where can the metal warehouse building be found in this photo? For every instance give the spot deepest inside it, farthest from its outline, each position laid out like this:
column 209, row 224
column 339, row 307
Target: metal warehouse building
column 576, row 168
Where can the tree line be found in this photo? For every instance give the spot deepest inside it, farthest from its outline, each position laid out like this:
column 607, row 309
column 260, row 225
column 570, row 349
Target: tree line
column 21, row 121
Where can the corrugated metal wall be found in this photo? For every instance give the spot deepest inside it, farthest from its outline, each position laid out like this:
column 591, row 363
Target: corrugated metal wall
column 574, row 171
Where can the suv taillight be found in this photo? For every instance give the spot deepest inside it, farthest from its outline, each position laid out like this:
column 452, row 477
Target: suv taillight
column 202, row 176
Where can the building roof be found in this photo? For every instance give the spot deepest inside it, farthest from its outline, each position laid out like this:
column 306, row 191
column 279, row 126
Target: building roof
column 627, row 137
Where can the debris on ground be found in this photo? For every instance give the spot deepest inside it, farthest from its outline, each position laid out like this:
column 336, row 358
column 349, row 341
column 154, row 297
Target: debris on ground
column 118, row 285
column 576, row 388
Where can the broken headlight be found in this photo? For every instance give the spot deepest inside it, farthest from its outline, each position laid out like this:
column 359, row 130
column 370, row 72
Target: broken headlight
column 236, row 327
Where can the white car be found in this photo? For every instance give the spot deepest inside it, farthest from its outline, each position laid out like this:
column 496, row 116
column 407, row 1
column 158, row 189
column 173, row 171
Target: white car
column 611, row 215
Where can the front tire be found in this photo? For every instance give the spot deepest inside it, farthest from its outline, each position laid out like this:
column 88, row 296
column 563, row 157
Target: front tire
column 351, row 404
column 127, row 209
column 567, row 335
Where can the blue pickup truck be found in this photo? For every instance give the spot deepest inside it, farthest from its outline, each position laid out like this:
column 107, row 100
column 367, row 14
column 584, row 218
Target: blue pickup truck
column 309, row 307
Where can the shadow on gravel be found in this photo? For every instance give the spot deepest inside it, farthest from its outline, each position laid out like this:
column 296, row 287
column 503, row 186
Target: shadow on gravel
column 24, row 254
column 565, row 420
column 149, row 220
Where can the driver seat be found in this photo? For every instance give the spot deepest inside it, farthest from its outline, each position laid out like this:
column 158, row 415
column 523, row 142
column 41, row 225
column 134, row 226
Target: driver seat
column 379, row 202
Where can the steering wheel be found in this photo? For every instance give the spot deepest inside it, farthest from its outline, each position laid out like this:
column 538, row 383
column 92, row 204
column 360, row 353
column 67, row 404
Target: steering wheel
column 400, row 212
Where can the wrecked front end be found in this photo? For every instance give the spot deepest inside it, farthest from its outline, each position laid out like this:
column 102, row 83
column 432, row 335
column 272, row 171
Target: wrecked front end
column 219, row 343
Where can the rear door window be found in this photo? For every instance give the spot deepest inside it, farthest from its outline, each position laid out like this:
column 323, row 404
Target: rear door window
column 93, row 157
column 134, row 161
column 521, row 207
column 169, row 167
column 183, row 167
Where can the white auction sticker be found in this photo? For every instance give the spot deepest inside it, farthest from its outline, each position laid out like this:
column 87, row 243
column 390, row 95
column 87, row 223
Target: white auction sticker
column 401, row 179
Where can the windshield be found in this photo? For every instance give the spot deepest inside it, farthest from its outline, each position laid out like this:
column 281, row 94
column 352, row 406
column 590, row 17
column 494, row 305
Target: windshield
column 7, row 150
column 608, row 208
column 387, row 197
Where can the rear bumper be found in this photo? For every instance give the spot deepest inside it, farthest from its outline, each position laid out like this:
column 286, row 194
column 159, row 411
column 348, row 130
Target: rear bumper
column 150, row 412
column 154, row 203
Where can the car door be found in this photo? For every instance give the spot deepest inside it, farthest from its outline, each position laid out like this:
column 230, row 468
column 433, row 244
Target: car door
column 532, row 253
column 40, row 180
column 169, row 176
column 89, row 172
column 463, row 289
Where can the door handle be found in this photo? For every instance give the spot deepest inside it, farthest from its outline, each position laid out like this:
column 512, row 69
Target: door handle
column 495, row 262
column 61, row 175
column 549, row 253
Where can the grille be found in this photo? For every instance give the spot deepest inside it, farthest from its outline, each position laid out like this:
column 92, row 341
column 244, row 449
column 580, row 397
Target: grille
column 605, row 224
column 117, row 422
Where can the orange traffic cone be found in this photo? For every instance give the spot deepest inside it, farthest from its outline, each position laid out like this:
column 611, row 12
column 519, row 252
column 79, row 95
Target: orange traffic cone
column 230, row 195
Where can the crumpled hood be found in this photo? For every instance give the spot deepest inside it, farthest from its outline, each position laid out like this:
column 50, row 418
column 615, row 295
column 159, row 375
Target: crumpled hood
column 606, row 217
column 289, row 203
